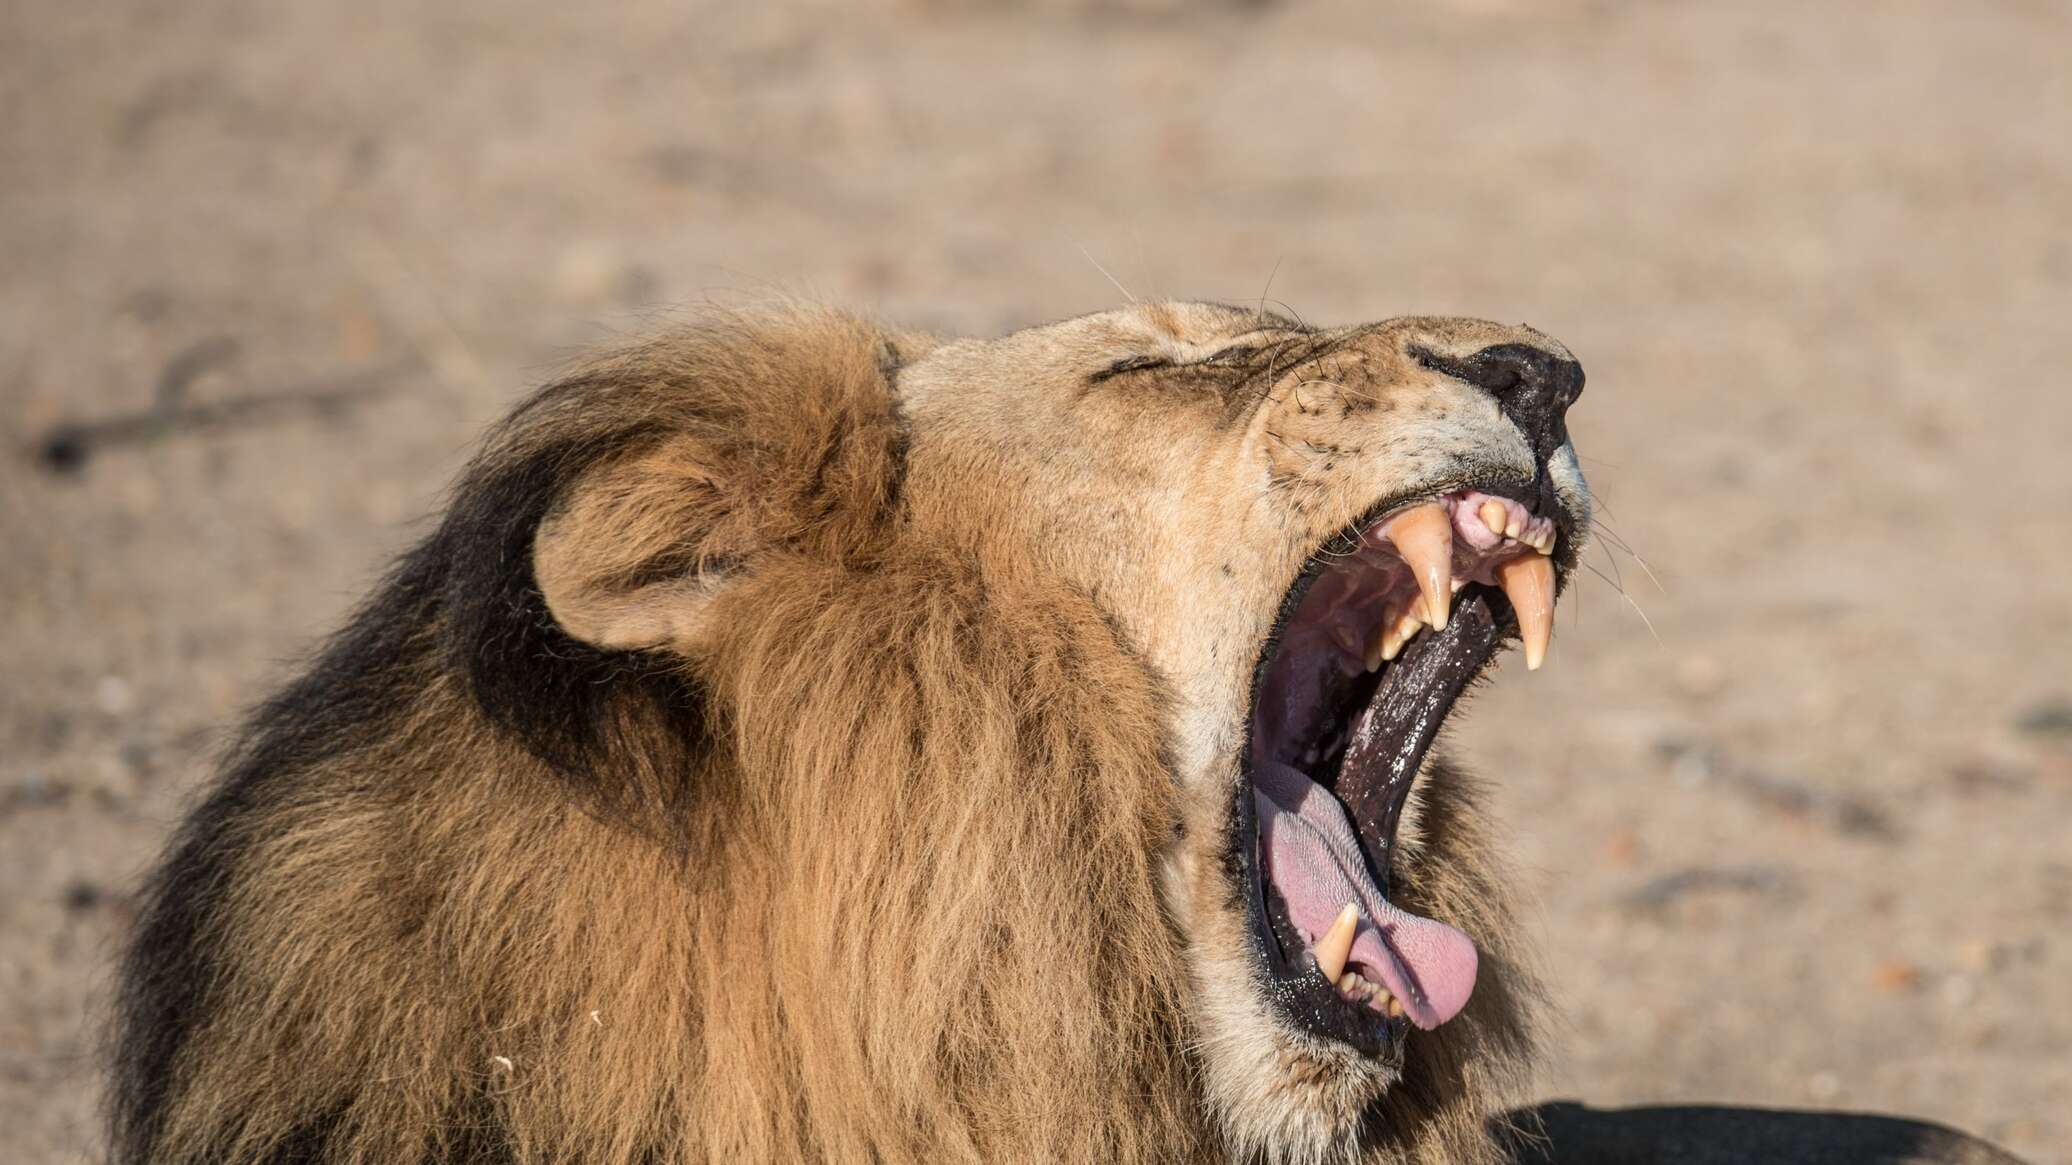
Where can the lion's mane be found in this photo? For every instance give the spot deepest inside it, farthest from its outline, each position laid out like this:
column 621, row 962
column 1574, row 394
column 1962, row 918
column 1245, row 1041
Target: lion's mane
column 872, row 878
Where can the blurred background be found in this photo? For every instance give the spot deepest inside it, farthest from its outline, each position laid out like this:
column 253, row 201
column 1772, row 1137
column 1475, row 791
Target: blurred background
column 1795, row 809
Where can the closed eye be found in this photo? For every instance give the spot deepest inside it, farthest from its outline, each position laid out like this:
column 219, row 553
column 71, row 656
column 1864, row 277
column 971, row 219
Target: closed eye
column 1129, row 364
column 1235, row 354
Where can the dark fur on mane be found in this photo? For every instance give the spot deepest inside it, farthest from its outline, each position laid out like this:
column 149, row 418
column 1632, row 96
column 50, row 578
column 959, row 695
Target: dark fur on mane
column 463, row 599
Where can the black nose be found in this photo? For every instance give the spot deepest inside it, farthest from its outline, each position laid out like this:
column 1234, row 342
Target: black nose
column 1533, row 386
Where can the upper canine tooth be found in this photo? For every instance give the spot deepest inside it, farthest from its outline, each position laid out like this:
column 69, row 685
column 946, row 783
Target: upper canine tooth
column 1494, row 514
column 1424, row 537
column 1331, row 950
column 1528, row 581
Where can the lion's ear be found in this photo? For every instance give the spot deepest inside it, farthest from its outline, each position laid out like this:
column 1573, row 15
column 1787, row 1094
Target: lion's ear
column 675, row 468
column 638, row 550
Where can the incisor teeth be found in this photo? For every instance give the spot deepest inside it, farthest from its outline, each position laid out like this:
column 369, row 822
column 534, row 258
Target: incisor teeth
column 1424, row 537
column 1494, row 514
column 1358, row 987
column 1528, row 581
column 1332, row 949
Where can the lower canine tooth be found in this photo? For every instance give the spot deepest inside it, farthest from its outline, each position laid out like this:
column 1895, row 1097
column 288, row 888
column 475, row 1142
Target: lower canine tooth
column 1331, row 950
column 1395, row 1008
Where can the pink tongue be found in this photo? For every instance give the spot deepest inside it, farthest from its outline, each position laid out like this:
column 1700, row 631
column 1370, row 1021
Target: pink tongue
column 1313, row 859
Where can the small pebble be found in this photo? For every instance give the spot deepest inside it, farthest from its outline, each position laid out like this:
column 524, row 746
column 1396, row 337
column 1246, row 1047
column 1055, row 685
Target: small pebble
column 1896, row 975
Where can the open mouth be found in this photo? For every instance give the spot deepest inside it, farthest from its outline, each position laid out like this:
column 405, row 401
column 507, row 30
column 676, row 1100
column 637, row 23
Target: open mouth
column 1376, row 641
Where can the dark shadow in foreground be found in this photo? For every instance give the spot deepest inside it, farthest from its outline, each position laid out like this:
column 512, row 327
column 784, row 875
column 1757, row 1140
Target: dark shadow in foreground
column 1567, row 1133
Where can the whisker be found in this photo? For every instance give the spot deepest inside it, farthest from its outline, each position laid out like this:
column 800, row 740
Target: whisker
column 1272, row 377
column 1646, row 569
column 1614, row 564
column 1645, row 621
column 1285, row 306
column 1612, row 537
column 1104, row 271
column 1339, row 385
column 1260, row 315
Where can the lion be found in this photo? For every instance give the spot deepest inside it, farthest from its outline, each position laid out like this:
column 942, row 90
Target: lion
column 807, row 740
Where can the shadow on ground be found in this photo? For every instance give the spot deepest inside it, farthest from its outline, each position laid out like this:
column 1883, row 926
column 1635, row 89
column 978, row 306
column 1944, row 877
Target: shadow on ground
column 1568, row 1133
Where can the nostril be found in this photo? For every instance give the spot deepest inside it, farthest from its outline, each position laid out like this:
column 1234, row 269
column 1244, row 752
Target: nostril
column 1533, row 386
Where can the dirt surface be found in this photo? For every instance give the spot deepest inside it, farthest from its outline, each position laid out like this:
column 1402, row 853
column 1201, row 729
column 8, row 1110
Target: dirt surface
column 1808, row 842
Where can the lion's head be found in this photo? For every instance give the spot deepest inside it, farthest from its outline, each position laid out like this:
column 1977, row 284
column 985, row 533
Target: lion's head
column 807, row 740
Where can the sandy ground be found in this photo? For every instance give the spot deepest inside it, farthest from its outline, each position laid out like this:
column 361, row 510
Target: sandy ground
column 1808, row 842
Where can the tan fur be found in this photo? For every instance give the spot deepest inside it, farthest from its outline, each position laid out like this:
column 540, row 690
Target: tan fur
column 942, row 881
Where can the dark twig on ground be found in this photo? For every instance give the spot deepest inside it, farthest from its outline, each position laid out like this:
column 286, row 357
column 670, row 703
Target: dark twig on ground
column 67, row 447
column 1703, row 763
column 1664, row 890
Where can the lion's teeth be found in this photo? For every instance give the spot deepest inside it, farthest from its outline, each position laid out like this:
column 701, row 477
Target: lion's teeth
column 1495, row 515
column 1391, row 644
column 1359, row 988
column 1424, row 538
column 1528, row 581
column 1377, row 645
column 1395, row 1008
column 1400, row 632
column 1348, row 639
column 1332, row 949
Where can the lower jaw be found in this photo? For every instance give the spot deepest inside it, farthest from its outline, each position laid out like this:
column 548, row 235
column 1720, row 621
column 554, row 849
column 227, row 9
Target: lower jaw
column 1436, row 672
column 1316, row 1007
